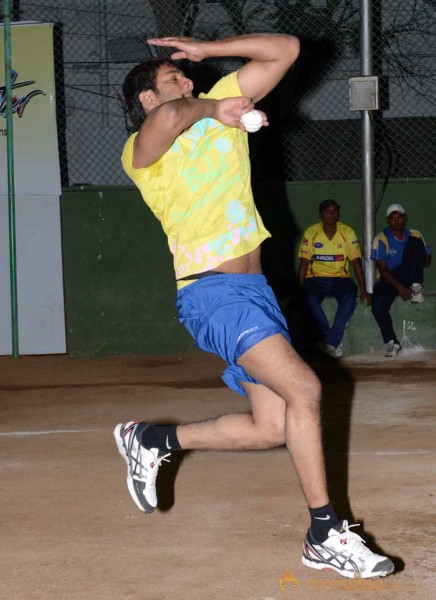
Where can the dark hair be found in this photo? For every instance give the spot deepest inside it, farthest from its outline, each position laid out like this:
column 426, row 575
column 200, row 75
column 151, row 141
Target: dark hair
column 328, row 202
column 141, row 78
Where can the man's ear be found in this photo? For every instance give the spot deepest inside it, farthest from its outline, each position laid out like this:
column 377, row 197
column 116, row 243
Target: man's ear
column 148, row 100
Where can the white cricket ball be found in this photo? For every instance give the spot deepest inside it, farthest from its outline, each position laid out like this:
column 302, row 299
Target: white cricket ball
column 252, row 121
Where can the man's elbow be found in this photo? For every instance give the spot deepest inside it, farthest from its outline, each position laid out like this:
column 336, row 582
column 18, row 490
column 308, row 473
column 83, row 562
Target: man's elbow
column 296, row 46
column 293, row 50
column 287, row 48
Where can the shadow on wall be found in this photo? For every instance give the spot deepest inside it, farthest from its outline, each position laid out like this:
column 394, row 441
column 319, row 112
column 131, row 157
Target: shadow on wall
column 268, row 165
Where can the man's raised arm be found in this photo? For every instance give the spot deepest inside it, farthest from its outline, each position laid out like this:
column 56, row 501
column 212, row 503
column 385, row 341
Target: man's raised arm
column 270, row 56
column 165, row 122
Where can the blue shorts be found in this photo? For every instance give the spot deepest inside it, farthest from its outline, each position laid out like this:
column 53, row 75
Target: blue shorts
column 228, row 315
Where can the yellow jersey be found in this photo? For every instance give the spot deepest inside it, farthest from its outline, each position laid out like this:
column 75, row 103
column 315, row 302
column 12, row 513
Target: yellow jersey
column 329, row 258
column 200, row 191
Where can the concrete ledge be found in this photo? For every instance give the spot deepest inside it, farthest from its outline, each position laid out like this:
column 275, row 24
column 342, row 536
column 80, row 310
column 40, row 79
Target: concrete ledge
column 414, row 324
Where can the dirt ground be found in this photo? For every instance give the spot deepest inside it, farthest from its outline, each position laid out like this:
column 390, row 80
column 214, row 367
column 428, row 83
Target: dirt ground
column 230, row 525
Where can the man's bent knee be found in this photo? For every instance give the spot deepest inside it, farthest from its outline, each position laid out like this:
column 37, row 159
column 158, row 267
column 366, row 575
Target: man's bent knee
column 315, row 393
column 307, row 391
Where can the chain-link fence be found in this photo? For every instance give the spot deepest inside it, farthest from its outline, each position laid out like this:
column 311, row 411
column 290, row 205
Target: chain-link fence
column 313, row 135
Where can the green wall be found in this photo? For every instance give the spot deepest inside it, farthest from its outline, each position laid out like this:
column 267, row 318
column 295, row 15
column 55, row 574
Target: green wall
column 119, row 282
column 289, row 208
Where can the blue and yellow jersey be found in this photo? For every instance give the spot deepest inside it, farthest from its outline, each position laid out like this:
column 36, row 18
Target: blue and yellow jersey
column 390, row 249
column 329, row 258
column 200, row 191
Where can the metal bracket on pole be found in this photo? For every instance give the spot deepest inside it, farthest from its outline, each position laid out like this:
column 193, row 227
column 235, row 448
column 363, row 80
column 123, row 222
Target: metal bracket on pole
column 364, row 92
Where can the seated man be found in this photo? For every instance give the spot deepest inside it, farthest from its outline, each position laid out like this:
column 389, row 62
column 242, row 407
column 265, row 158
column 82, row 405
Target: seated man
column 325, row 253
column 401, row 255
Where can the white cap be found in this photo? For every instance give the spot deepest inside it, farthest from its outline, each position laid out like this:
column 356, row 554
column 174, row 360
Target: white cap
column 395, row 208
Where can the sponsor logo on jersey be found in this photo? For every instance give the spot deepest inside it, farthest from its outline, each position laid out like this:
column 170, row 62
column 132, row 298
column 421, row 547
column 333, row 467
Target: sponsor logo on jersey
column 318, row 245
column 329, row 257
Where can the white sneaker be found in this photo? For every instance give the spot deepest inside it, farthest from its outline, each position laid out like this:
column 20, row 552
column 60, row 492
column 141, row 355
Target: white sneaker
column 339, row 351
column 417, row 293
column 345, row 552
column 142, row 465
column 392, row 349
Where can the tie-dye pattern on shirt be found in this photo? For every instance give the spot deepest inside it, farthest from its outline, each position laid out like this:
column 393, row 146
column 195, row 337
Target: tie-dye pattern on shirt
column 200, row 191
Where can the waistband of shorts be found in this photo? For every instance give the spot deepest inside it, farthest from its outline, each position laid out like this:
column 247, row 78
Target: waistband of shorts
column 230, row 278
column 202, row 275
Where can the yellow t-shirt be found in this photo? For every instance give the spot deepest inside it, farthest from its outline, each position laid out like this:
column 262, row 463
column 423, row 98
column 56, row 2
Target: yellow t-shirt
column 329, row 258
column 201, row 193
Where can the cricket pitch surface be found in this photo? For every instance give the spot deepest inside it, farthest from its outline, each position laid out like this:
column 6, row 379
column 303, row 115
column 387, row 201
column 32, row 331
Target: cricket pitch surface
column 230, row 526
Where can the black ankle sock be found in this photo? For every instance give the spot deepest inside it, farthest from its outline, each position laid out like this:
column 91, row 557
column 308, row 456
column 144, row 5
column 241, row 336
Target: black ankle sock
column 323, row 519
column 162, row 437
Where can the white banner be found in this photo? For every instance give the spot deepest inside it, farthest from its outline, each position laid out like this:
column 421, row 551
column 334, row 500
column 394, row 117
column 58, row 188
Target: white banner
column 36, row 158
column 41, row 319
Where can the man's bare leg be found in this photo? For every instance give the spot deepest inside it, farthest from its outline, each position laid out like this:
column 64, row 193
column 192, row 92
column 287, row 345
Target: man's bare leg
column 285, row 410
column 263, row 428
column 276, row 364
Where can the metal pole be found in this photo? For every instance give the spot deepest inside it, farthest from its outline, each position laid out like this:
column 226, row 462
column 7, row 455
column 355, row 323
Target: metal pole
column 368, row 184
column 10, row 170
